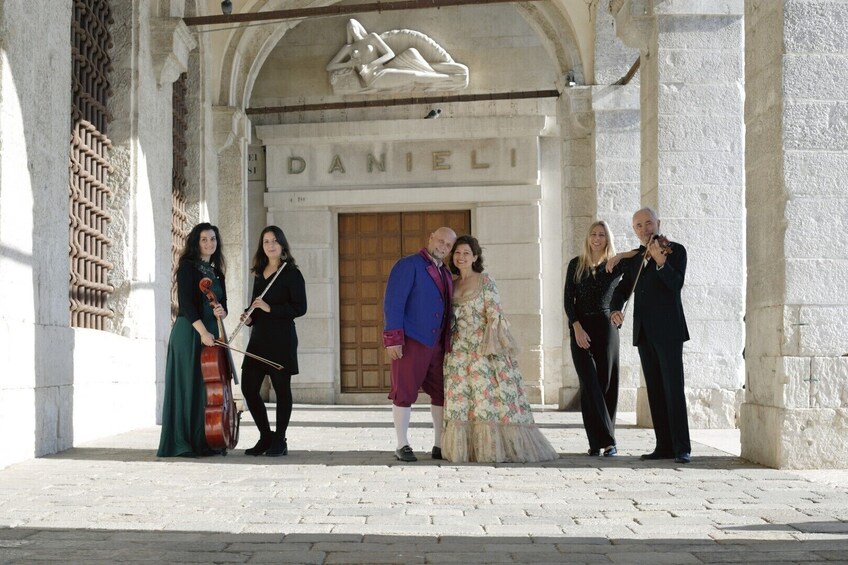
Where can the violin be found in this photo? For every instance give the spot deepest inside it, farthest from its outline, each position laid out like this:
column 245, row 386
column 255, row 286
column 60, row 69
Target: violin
column 216, row 364
column 665, row 249
column 663, row 242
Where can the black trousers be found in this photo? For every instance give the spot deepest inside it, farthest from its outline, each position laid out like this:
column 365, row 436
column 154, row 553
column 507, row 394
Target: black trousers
column 597, row 370
column 251, row 384
column 662, row 365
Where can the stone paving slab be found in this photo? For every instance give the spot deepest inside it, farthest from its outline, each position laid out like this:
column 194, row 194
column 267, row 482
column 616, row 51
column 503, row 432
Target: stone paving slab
column 340, row 497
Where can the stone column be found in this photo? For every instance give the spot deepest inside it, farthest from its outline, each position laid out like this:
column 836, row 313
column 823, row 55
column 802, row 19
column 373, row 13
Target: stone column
column 602, row 141
column 692, row 174
column 228, row 209
column 796, row 111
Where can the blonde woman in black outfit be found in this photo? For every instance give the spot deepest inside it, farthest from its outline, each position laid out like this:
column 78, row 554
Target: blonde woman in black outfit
column 273, row 337
column 594, row 339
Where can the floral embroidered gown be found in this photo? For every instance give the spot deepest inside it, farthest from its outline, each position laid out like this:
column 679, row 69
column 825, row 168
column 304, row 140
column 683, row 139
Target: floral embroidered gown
column 487, row 414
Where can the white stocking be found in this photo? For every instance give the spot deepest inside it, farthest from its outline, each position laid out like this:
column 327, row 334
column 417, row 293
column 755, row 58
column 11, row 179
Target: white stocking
column 401, row 415
column 438, row 414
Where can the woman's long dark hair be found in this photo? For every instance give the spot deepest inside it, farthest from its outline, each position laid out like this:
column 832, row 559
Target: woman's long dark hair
column 260, row 260
column 470, row 241
column 191, row 251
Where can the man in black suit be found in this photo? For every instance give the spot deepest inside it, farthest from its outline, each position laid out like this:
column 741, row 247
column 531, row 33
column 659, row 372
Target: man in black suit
column 659, row 330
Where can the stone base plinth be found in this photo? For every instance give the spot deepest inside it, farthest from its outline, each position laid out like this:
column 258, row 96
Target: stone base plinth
column 794, row 438
column 569, row 398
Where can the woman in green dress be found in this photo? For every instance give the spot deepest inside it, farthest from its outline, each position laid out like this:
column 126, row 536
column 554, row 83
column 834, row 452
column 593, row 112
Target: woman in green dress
column 183, row 411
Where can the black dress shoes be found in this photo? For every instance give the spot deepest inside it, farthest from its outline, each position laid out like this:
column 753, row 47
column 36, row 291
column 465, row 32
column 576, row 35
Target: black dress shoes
column 405, row 454
column 263, row 444
column 654, row 455
column 594, row 452
column 437, row 453
column 278, row 447
column 683, row 458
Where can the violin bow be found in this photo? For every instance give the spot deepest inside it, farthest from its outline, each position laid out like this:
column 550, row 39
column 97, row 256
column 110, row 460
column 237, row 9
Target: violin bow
column 247, row 353
column 633, row 288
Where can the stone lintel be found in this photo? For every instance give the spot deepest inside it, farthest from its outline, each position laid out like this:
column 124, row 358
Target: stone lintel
column 408, row 130
column 615, row 97
column 699, row 7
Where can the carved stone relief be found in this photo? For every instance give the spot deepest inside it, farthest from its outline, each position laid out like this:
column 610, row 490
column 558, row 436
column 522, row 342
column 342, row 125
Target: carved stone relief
column 395, row 60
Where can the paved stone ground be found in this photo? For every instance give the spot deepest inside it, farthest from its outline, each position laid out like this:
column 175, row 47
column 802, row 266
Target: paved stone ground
column 340, row 497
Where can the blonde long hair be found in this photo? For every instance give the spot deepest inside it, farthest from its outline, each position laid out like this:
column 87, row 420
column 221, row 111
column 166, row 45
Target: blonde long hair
column 584, row 263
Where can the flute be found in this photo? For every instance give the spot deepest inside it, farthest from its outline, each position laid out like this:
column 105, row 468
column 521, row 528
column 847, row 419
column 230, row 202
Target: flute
column 252, row 308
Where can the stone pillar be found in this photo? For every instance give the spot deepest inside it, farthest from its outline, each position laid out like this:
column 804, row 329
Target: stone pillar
column 602, row 141
column 229, row 209
column 796, row 403
column 579, row 204
column 36, row 391
column 692, row 174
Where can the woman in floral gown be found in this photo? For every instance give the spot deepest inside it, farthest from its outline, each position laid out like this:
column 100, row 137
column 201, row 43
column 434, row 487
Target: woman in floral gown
column 487, row 414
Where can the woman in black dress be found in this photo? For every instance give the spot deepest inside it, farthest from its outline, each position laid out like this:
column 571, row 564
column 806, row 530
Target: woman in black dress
column 183, row 411
column 273, row 337
column 594, row 339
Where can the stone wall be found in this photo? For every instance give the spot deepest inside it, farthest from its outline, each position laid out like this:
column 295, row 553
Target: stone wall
column 796, row 404
column 692, row 173
column 38, row 345
column 63, row 386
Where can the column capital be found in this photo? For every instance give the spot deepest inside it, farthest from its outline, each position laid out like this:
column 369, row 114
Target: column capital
column 634, row 22
column 577, row 107
column 229, row 124
column 172, row 42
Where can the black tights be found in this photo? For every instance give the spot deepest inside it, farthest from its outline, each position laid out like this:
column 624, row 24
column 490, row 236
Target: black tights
column 251, row 384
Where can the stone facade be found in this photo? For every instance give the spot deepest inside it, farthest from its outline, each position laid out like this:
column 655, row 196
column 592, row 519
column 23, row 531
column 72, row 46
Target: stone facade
column 758, row 203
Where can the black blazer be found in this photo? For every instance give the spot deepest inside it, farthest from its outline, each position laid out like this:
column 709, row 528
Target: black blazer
column 656, row 307
column 273, row 334
column 189, row 297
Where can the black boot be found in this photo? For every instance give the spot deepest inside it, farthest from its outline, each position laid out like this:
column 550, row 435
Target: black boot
column 278, row 447
column 261, row 446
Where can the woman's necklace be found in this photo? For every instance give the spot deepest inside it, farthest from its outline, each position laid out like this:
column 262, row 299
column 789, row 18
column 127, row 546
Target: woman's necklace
column 594, row 267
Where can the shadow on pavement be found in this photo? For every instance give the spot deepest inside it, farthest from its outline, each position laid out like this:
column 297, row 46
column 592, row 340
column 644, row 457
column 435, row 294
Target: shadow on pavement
column 23, row 545
column 386, row 458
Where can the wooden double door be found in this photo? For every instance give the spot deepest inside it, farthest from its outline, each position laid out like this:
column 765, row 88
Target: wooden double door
column 369, row 246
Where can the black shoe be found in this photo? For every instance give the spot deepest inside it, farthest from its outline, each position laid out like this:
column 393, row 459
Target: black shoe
column 594, row 452
column 261, row 446
column 405, row 454
column 437, row 452
column 611, row 451
column 209, row 452
column 683, row 458
column 656, row 455
column 278, row 447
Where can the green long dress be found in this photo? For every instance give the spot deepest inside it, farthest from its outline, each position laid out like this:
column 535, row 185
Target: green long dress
column 183, row 412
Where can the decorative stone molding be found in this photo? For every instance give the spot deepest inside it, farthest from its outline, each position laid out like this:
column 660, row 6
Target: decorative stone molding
column 229, row 124
column 633, row 22
column 581, row 120
column 172, row 43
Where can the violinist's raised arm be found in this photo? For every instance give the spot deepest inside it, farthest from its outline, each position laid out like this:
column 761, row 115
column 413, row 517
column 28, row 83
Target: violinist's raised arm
column 659, row 331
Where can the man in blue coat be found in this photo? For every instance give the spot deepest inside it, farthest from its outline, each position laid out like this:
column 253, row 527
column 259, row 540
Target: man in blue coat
column 417, row 313
column 659, row 331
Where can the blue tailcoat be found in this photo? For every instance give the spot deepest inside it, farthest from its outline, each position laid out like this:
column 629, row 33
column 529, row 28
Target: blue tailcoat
column 416, row 301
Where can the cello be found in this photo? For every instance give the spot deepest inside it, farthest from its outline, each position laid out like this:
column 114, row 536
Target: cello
column 216, row 364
